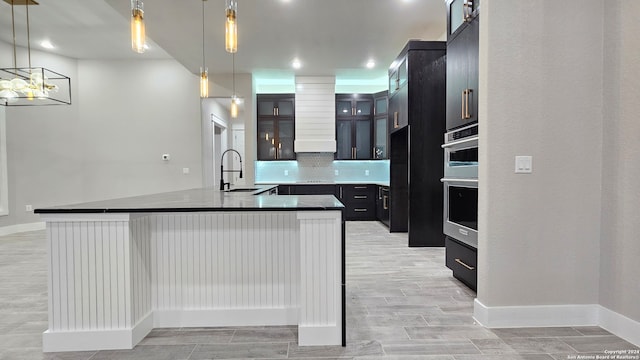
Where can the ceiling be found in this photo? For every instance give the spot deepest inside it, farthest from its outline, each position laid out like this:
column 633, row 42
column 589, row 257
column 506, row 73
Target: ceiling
column 330, row 37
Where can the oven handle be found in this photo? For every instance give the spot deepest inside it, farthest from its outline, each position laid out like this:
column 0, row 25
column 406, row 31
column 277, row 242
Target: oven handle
column 452, row 180
column 460, row 142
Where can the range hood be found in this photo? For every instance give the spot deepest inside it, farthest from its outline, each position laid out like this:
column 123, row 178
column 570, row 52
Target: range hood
column 315, row 114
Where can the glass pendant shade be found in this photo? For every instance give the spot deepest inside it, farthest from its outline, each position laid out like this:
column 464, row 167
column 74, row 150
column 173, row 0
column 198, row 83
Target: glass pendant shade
column 204, row 83
column 231, row 27
column 234, row 107
column 137, row 26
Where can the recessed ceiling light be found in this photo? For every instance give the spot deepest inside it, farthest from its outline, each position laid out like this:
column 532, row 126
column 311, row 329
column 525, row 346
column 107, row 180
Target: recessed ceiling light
column 47, row 44
column 296, row 64
column 371, row 64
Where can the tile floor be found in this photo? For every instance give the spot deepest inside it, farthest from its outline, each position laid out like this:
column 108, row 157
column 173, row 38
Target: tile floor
column 402, row 304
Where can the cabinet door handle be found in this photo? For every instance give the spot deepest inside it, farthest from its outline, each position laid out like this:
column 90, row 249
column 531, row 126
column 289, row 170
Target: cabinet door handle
column 467, row 10
column 395, row 120
column 467, row 114
column 340, row 192
column 360, row 210
column 464, row 95
column 385, row 202
column 379, row 192
column 361, row 197
column 465, row 265
column 398, row 82
column 360, row 187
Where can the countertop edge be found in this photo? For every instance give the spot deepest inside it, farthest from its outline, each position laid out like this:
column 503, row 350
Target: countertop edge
column 184, row 210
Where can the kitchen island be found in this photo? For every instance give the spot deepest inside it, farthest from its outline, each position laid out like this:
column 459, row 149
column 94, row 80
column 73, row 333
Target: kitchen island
column 194, row 258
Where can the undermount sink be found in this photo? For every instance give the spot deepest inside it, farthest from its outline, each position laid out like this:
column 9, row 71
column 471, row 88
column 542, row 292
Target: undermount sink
column 243, row 190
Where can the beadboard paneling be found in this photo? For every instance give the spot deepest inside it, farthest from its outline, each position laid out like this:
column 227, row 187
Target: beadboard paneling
column 225, row 261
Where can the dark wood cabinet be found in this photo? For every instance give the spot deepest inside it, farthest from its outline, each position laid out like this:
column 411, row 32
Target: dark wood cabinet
column 416, row 156
column 382, row 204
column 381, row 125
column 307, row 189
column 354, row 126
column 462, row 76
column 462, row 259
column 276, row 127
column 359, row 201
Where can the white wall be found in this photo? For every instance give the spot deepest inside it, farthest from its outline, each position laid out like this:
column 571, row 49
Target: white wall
column 109, row 142
column 541, row 94
column 620, row 245
column 132, row 112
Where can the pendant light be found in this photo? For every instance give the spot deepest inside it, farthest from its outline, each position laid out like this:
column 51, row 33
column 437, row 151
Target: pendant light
column 137, row 27
column 204, row 71
column 231, row 26
column 234, row 98
column 29, row 86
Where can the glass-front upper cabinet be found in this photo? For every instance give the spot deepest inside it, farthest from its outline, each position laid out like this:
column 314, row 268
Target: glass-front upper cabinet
column 397, row 77
column 349, row 105
column 276, row 104
column 459, row 13
column 381, row 125
column 276, row 127
column 354, row 129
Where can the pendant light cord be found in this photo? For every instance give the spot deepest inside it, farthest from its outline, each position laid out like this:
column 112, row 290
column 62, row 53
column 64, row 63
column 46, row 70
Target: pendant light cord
column 13, row 25
column 203, row 58
column 28, row 37
column 233, row 74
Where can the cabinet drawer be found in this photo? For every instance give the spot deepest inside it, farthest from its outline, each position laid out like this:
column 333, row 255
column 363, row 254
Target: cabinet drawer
column 360, row 212
column 462, row 259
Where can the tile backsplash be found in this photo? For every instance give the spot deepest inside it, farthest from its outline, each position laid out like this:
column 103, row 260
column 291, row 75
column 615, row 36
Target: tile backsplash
column 321, row 167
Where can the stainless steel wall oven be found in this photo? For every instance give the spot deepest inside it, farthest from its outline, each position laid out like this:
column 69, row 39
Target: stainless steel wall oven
column 461, row 184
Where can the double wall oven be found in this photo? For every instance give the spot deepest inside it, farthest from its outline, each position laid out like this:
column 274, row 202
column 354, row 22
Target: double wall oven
column 461, row 184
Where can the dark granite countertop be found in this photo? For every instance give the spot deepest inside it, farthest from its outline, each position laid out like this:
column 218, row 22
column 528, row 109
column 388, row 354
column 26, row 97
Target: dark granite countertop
column 202, row 199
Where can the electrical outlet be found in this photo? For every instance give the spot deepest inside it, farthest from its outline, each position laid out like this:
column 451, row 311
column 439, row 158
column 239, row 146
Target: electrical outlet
column 185, row 171
column 28, row 208
column 366, row 173
column 337, row 172
column 286, row 173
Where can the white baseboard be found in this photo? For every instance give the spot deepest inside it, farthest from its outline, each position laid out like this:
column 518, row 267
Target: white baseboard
column 620, row 325
column 319, row 335
column 96, row 340
column 225, row 317
column 535, row 316
column 18, row 228
column 557, row 315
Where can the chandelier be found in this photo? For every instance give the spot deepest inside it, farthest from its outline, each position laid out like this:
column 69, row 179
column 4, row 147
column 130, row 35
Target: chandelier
column 30, row 86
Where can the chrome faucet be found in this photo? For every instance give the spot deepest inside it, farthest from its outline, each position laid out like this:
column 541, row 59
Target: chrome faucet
column 222, row 170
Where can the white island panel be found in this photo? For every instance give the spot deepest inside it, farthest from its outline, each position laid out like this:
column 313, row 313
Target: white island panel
column 225, row 269
column 113, row 277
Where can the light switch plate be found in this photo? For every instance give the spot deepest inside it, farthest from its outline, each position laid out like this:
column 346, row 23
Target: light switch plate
column 185, row 171
column 524, row 164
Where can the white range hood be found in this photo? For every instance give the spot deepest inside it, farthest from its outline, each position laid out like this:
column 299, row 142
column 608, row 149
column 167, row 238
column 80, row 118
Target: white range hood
column 315, row 114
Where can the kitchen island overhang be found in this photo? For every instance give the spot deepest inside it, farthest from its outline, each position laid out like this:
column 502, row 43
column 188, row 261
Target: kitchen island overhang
column 194, row 258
